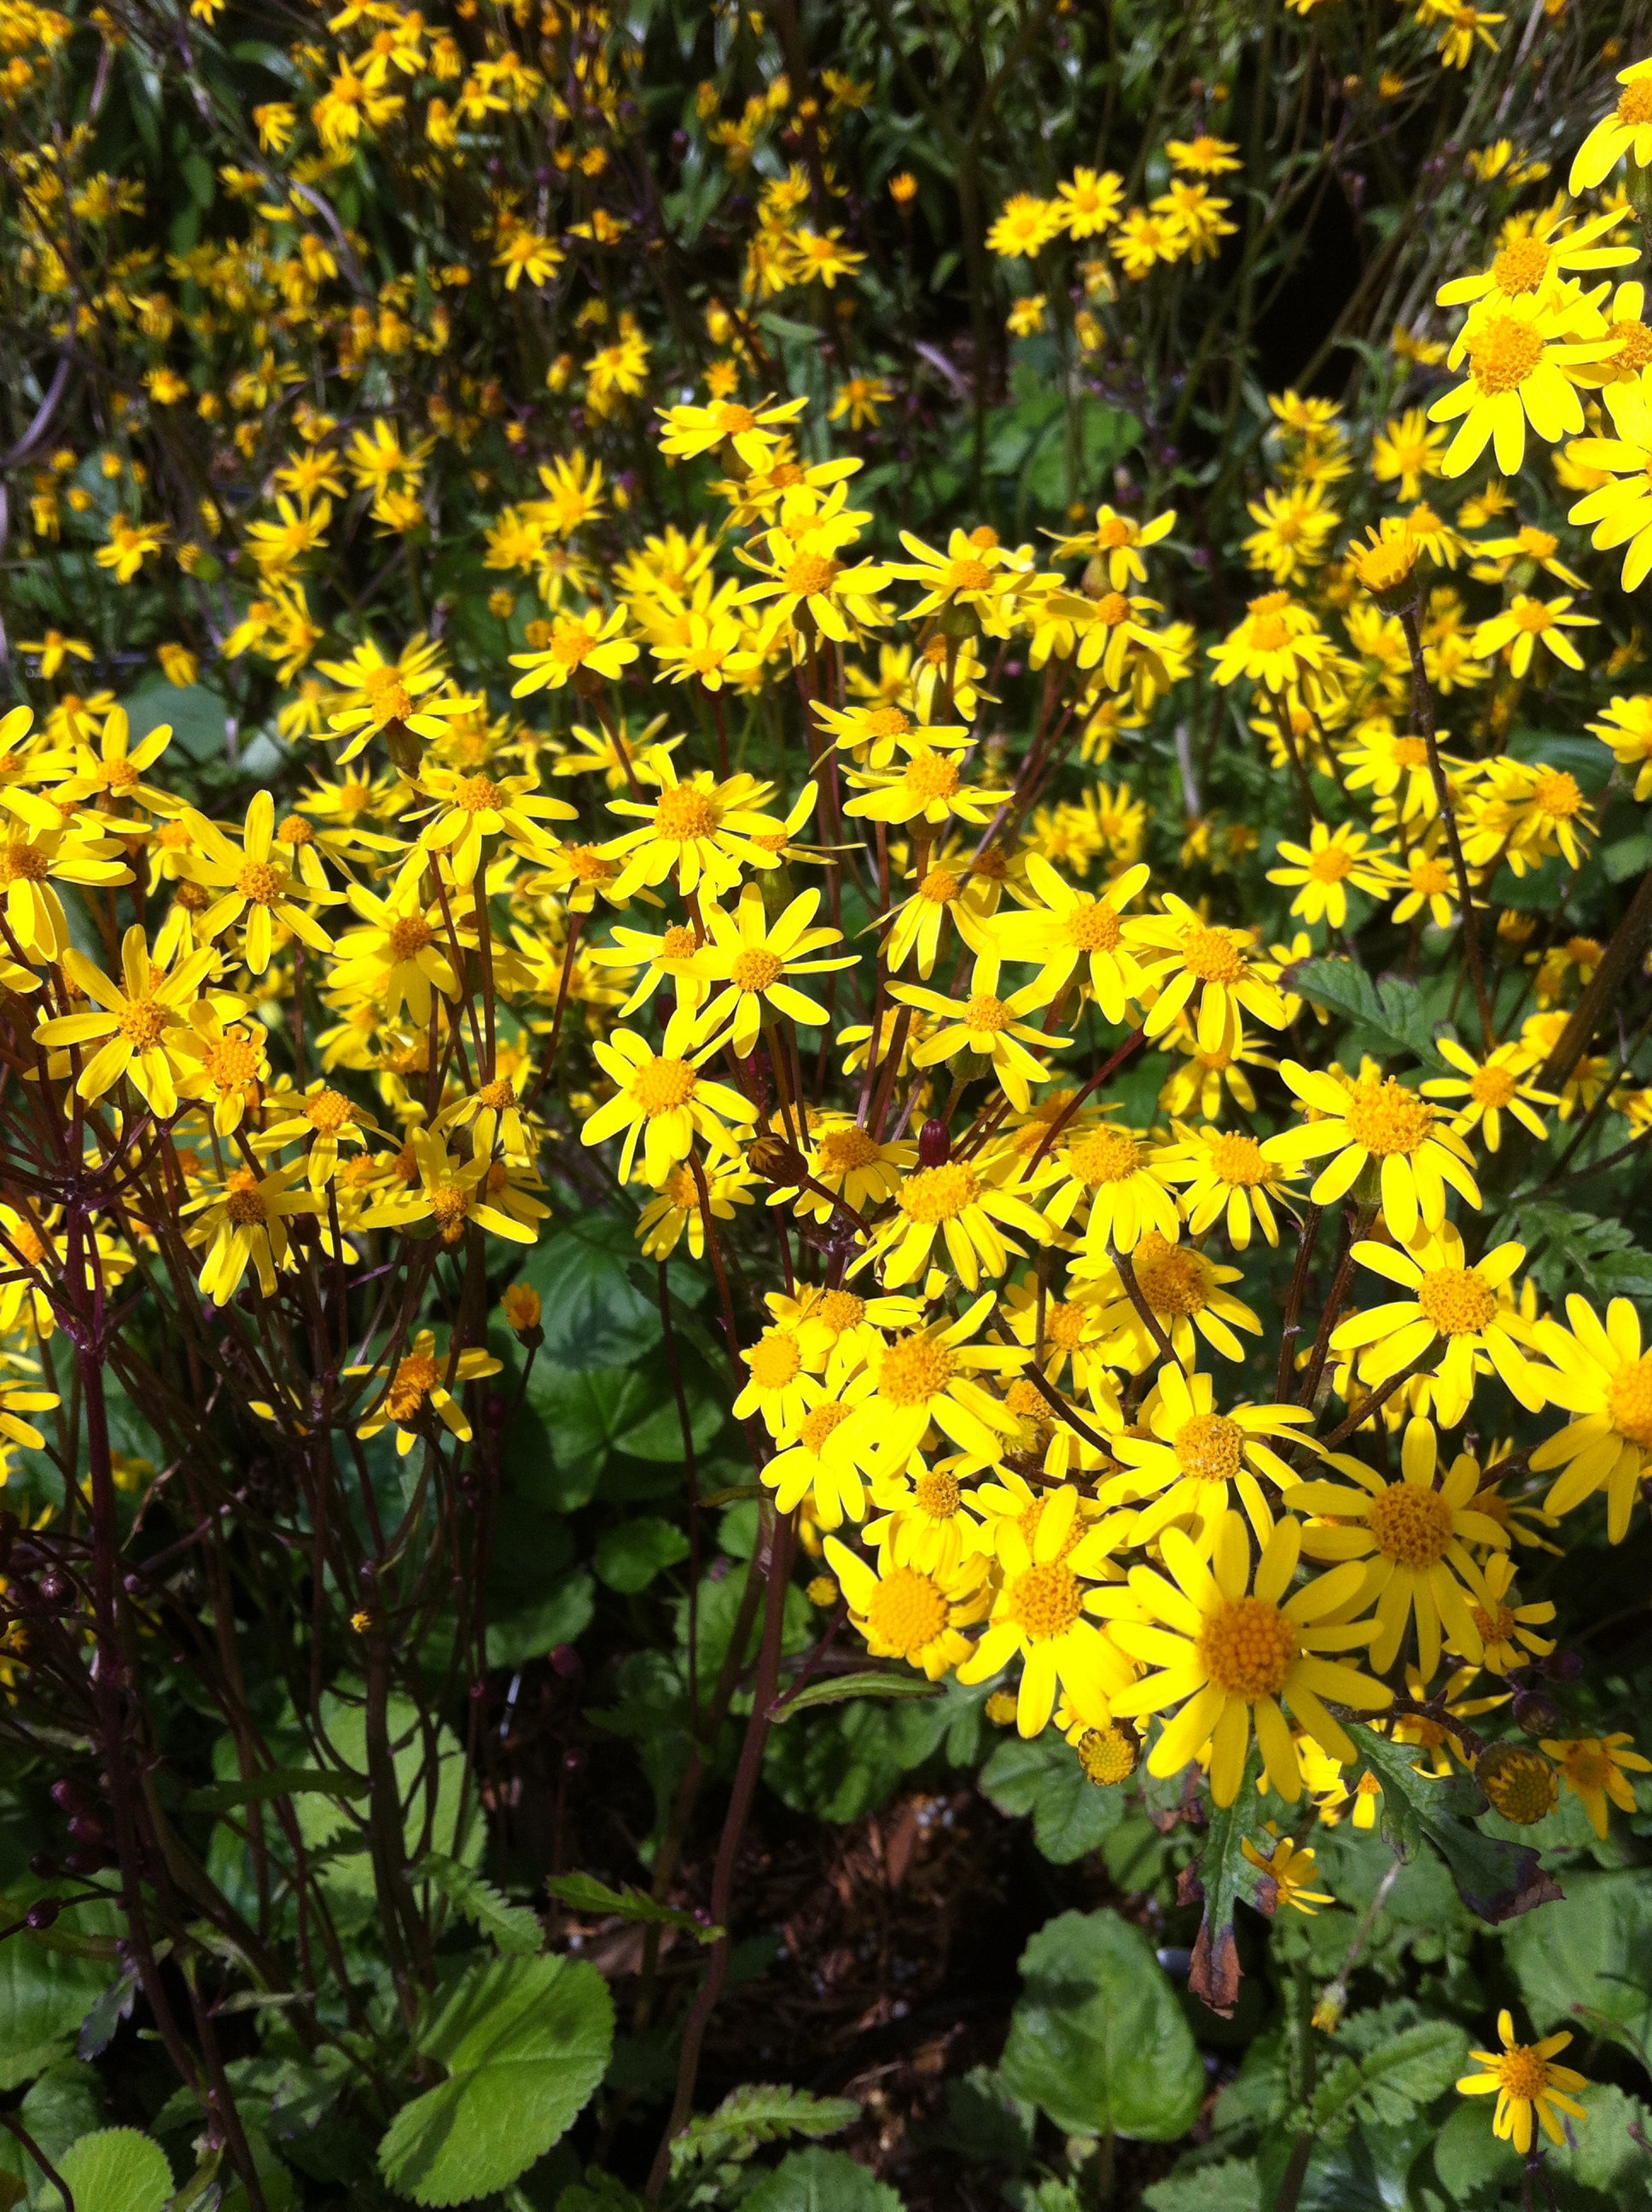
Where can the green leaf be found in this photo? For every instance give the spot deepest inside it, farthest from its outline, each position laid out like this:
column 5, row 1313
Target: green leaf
column 1070, row 1813
column 1098, row 2040
column 525, row 2041
column 1224, row 1875
column 279, row 1781
column 821, row 2181
column 1497, row 1880
column 583, row 1893
column 759, row 2112
column 1381, row 2070
column 1587, row 1960
column 1387, row 1013
column 837, row 1689
column 1469, row 2160
column 116, row 2170
column 1229, row 2185
column 560, row 1615
column 593, row 1315
column 629, row 1557
column 46, row 1990
column 514, row 1928
column 1569, row 1251
column 1609, row 2154
column 60, row 2108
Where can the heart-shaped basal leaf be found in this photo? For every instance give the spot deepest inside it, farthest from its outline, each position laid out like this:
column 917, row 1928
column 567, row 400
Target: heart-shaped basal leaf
column 525, row 2041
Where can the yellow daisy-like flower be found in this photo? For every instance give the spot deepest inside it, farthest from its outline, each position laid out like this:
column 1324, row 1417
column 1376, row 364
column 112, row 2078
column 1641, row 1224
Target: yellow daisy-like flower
column 1279, row 643
column 1117, row 1175
column 754, row 432
column 468, row 807
column 591, row 643
column 1231, row 1649
column 1415, row 1538
column 1115, row 542
column 959, row 1205
column 983, row 576
column 906, row 1611
column 1627, row 130
column 1323, row 868
column 1524, row 2076
column 748, row 959
column 1039, row 1614
column 396, row 960
column 776, row 1386
column 1620, row 509
column 1193, row 1452
column 1626, row 725
column 256, row 883
column 929, row 1374
column 1519, row 351
column 1596, row 1768
column 848, row 1161
column 930, row 788
column 822, row 1458
column 1445, row 1299
column 1025, row 225
column 1526, row 620
column 1378, row 1119
column 1227, row 1175
column 700, row 830
column 810, row 588
column 1508, row 1631
column 422, row 1382
column 244, row 1224
column 1184, row 955
column 1539, row 253
column 1290, row 1868
column 1068, row 929
column 1183, row 1288
column 143, row 1021
column 662, row 1101
column 378, row 694
column 1605, row 1382
column 1496, row 1085
column 988, row 1027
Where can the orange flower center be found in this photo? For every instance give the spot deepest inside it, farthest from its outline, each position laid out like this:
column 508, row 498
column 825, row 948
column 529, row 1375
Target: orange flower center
column 1520, row 267
column 1210, row 1447
column 387, row 696
column 684, row 813
column 1211, row 957
column 930, row 776
column 243, row 1200
column 1459, row 1301
column 733, row 421
column 22, row 864
column 916, row 1370
column 838, row 1310
column 328, row 1112
column 141, row 1023
column 1065, row 1327
column 409, row 934
column 1238, row 1159
column 233, row 1060
column 774, row 1360
column 1504, row 354
column 1557, row 793
column 1410, row 1526
column 986, row 1013
column 810, row 572
column 1093, row 927
column 1492, row 1086
column 475, row 794
column 1104, row 1156
column 1386, row 1118
column 940, row 887
column 756, row 969
column 967, row 576
column 1174, row 1278
column 1631, row 1402
column 417, row 1376
column 820, row 1425
column 842, row 1150
column 259, row 884
column 661, row 1086
column 1046, row 1601
column 937, row 1493
column 887, row 722
column 1247, row 1648
column 1331, row 864
column 907, row 1612
column 937, row 1195
column 1635, row 104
